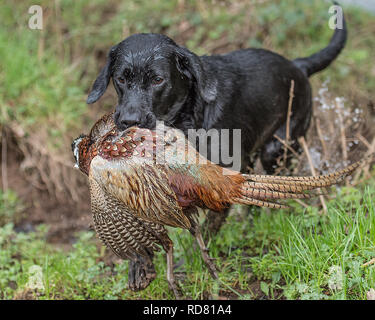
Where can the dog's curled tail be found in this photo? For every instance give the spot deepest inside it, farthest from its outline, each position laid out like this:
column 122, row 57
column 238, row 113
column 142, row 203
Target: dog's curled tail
column 324, row 57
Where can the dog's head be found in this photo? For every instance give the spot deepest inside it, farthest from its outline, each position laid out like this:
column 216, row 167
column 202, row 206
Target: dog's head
column 153, row 77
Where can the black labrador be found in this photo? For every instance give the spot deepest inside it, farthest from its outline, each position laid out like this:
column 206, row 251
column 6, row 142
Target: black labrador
column 156, row 79
column 247, row 89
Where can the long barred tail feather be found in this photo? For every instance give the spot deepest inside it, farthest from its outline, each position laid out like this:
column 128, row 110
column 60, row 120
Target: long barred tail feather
column 264, row 192
column 260, row 203
column 317, row 181
column 259, row 189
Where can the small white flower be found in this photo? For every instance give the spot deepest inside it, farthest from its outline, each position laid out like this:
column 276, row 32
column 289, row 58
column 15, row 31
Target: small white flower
column 35, row 280
column 335, row 280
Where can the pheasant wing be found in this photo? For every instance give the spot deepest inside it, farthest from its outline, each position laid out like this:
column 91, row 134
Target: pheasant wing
column 142, row 187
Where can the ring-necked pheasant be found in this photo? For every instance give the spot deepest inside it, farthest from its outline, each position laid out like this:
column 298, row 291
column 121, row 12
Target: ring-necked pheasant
column 142, row 180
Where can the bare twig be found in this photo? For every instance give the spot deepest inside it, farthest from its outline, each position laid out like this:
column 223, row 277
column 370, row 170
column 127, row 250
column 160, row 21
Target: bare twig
column 301, row 203
column 370, row 149
column 286, row 146
column 303, row 143
column 4, row 169
column 342, row 133
column 368, row 263
column 342, row 136
column 287, row 133
column 321, row 137
column 370, row 146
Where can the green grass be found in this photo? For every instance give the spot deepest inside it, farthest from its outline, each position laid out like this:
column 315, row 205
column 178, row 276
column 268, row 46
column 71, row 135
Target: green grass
column 301, row 254
column 311, row 245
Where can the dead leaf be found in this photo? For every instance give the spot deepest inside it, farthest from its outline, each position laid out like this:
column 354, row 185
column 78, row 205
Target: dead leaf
column 372, row 261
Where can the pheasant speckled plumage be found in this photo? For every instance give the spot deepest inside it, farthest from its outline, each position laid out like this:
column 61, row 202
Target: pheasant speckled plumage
column 141, row 181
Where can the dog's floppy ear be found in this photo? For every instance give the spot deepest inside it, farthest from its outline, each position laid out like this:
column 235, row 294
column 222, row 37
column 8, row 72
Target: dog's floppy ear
column 191, row 66
column 101, row 82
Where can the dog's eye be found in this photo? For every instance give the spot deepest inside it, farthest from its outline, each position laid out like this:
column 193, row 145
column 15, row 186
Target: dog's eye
column 121, row 79
column 157, row 80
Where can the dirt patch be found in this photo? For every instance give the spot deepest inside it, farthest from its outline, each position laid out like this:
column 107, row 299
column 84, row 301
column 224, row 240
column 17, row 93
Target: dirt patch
column 63, row 217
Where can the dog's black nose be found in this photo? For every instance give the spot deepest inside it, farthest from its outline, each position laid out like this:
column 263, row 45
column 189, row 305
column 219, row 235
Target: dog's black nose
column 128, row 119
column 127, row 116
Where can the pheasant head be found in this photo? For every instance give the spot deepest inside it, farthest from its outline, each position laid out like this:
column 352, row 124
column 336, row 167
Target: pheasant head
column 80, row 149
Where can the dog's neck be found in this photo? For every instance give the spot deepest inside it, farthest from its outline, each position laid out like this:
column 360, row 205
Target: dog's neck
column 195, row 113
column 190, row 115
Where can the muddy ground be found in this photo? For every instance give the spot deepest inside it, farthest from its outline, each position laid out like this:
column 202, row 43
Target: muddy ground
column 64, row 218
